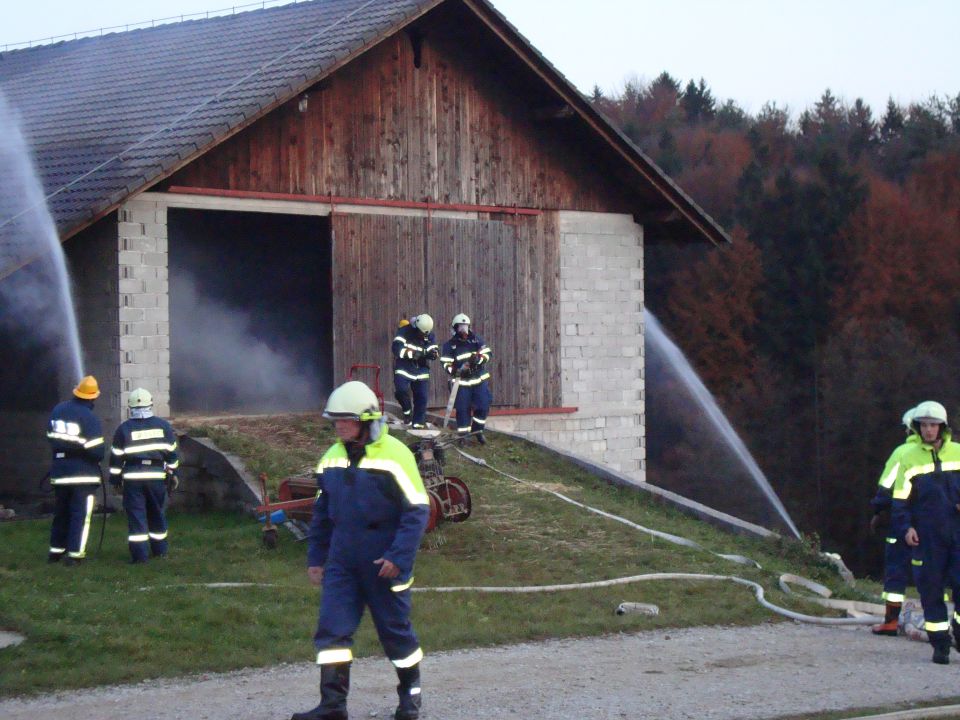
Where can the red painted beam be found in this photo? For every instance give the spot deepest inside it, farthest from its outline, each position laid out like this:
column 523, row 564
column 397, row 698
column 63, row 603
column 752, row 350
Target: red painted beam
column 533, row 411
column 338, row 200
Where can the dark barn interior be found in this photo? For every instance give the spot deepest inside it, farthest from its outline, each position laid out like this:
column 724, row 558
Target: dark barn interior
column 250, row 311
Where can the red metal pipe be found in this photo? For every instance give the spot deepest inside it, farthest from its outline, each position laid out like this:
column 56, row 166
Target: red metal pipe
column 337, row 200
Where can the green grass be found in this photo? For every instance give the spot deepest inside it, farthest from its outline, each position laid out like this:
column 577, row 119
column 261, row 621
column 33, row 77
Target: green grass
column 93, row 625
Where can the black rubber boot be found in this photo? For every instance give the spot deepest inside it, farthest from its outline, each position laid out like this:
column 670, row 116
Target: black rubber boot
column 334, row 686
column 955, row 626
column 481, row 439
column 409, row 692
column 941, row 648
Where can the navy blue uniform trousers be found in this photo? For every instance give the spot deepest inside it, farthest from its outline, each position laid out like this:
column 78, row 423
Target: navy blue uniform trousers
column 143, row 502
column 475, row 398
column 348, row 586
column 402, row 386
column 72, row 516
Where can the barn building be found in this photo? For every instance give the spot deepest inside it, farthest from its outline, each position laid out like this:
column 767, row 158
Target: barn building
column 249, row 204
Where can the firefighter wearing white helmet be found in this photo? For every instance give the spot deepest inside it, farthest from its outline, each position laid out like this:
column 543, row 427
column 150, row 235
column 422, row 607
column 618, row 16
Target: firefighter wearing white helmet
column 897, row 569
column 926, row 514
column 414, row 347
column 370, row 513
column 144, row 461
column 76, row 439
column 466, row 357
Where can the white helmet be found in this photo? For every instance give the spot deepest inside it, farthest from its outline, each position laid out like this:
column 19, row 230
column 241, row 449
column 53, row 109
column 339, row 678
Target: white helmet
column 459, row 319
column 930, row 411
column 423, row 323
column 352, row 401
column 908, row 418
column 140, row 398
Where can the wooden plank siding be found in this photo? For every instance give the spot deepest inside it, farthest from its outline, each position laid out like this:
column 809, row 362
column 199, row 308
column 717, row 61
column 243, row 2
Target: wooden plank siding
column 492, row 270
column 450, row 131
column 466, row 126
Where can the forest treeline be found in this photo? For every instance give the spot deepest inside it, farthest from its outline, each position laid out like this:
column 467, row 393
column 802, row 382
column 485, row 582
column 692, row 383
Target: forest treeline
column 835, row 309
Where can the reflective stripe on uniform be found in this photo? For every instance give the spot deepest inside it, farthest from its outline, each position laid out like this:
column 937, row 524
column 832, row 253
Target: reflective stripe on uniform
column 66, row 438
column 146, row 475
column 422, row 376
column 57, row 551
column 483, row 421
column 414, row 496
column 158, row 536
column 138, row 538
column 887, row 480
column 93, row 443
column 174, row 465
column 85, row 533
column 892, row 541
column 75, row 480
column 936, row 626
column 916, row 563
column 133, row 449
column 116, row 451
column 332, row 463
column 330, row 657
column 893, row 597
column 115, row 471
column 410, row 660
column 404, row 586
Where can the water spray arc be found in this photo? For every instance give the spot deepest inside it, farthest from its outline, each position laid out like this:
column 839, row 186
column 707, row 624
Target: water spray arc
column 676, row 359
column 32, row 236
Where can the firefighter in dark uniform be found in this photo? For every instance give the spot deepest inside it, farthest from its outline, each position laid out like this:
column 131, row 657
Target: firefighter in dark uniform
column 413, row 348
column 76, row 438
column 369, row 516
column 144, row 458
column 926, row 514
column 466, row 358
column 897, row 555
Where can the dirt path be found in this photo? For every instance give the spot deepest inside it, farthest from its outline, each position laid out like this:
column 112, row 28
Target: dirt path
column 710, row 672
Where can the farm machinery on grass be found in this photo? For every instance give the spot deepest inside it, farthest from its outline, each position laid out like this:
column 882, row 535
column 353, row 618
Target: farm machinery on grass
column 449, row 496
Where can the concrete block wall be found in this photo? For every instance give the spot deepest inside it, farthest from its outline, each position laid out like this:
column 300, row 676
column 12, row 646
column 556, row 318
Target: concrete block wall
column 92, row 259
column 144, row 312
column 601, row 342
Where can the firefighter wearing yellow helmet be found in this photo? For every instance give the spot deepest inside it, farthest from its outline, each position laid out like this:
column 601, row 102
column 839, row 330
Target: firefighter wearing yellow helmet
column 466, row 357
column 897, row 555
column 414, row 347
column 926, row 514
column 76, row 439
column 370, row 513
column 144, row 460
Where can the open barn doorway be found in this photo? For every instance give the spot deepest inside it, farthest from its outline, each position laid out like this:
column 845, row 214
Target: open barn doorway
column 250, row 321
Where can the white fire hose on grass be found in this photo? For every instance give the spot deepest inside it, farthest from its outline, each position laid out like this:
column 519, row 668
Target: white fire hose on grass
column 862, row 613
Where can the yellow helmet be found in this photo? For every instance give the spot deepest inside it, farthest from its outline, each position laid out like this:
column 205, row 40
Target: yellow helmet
column 352, row 401
column 87, row 389
column 140, row 398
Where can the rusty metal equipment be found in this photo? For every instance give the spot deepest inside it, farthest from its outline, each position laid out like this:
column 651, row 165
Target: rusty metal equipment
column 296, row 501
column 449, row 496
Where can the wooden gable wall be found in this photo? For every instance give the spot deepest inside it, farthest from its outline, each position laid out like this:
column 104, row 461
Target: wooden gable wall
column 466, row 126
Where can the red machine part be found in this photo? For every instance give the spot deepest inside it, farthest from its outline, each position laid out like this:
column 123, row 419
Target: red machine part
column 376, row 378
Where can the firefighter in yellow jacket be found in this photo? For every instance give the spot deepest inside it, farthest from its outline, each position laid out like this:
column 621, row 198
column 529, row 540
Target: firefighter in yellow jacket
column 369, row 516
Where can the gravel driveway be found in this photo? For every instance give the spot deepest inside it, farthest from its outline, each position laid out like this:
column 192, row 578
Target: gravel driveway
column 763, row 671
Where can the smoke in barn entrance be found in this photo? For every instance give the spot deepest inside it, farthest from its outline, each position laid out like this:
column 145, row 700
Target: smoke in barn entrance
column 250, row 326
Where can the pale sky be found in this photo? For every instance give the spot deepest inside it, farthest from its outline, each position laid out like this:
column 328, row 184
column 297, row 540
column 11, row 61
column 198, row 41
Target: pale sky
column 753, row 51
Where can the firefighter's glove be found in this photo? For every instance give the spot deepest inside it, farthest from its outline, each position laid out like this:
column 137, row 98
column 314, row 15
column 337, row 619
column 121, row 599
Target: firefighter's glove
column 173, row 482
column 433, row 354
column 465, row 370
column 880, row 523
column 416, row 354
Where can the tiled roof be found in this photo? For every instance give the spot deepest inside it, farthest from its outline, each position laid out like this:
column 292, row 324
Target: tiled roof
column 105, row 116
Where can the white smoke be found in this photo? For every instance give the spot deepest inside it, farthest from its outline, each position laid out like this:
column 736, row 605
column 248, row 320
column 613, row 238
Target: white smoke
column 217, row 362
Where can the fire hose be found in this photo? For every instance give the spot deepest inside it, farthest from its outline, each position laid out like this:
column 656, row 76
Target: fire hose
column 863, row 613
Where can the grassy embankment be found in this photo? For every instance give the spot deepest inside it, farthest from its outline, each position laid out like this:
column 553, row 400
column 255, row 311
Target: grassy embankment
column 108, row 622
